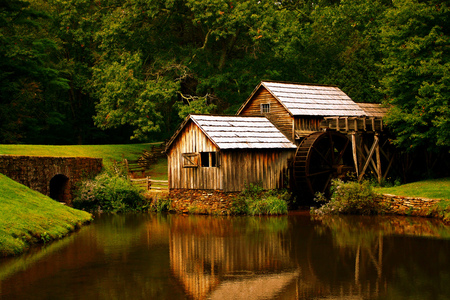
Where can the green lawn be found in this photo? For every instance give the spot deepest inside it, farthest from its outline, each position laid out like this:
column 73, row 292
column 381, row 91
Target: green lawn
column 107, row 152
column 29, row 217
column 433, row 189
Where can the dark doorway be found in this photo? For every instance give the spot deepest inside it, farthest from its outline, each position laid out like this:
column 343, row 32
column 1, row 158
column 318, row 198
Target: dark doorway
column 60, row 188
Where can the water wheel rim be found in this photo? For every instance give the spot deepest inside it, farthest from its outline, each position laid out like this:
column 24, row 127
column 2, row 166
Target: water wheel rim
column 318, row 159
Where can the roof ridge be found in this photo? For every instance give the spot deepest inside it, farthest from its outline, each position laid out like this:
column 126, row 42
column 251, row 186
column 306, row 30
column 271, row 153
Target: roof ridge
column 299, row 83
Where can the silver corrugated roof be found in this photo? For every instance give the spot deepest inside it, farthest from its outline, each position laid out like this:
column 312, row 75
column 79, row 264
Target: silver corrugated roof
column 314, row 100
column 235, row 132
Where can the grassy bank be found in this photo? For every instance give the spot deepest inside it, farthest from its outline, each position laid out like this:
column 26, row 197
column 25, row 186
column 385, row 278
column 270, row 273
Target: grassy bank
column 109, row 153
column 29, row 217
column 433, row 189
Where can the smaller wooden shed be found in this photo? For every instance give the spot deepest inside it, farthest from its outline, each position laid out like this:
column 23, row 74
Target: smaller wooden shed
column 226, row 152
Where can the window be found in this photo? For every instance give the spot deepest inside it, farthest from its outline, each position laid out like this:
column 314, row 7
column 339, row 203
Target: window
column 209, row 159
column 265, row 108
column 189, row 160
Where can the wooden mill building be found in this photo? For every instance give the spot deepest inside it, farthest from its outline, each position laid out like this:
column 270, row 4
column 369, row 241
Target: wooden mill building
column 298, row 109
column 315, row 131
column 226, row 152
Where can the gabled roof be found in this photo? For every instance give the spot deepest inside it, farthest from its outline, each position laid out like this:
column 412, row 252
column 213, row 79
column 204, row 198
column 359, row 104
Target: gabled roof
column 311, row 100
column 237, row 132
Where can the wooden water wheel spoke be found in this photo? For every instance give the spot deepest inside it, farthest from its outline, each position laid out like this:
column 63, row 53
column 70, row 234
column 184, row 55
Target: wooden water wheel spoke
column 324, row 157
column 330, row 139
column 326, row 185
column 320, row 173
column 341, row 153
column 320, row 157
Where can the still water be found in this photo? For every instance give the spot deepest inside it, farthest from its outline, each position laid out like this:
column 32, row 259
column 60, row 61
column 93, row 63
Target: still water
column 149, row 256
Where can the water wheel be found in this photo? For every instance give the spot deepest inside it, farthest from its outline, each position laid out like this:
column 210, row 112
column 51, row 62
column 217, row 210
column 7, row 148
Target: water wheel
column 320, row 157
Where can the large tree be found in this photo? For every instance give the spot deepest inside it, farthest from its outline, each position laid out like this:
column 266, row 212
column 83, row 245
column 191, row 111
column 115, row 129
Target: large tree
column 160, row 58
column 29, row 74
column 416, row 48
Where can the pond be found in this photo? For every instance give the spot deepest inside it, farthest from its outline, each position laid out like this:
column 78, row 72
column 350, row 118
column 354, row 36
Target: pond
column 150, row 256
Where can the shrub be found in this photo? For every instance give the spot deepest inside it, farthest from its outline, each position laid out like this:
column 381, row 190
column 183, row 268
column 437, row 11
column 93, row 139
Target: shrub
column 441, row 210
column 349, row 198
column 109, row 192
column 161, row 204
column 255, row 201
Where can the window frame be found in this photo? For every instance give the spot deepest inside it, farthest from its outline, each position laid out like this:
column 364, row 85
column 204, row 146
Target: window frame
column 209, row 159
column 190, row 160
column 265, row 108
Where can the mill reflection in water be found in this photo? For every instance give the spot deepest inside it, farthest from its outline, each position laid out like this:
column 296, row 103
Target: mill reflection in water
column 150, row 256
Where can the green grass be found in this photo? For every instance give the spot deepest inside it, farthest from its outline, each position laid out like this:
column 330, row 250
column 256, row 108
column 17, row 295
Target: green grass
column 159, row 170
column 109, row 153
column 29, row 217
column 433, row 189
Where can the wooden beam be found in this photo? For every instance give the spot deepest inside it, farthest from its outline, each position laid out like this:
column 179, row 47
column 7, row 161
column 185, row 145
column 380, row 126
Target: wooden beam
column 371, row 152
column 389, row 166
column 355, row 156
column 377, row 155
column 373, row 165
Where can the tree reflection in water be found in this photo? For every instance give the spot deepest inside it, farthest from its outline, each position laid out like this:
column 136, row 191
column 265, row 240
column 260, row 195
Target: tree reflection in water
column 149, row 256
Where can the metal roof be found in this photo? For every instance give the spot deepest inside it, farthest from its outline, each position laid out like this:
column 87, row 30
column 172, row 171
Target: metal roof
column 313, row 100
column 373, row 109
column 237, row 132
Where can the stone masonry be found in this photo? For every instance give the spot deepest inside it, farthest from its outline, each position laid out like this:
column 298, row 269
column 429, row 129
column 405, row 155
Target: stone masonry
column 51, row 176
column 413, row 206
column 202, row 201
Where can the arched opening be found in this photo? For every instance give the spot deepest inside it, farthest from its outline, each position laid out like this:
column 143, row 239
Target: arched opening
column 60, row 188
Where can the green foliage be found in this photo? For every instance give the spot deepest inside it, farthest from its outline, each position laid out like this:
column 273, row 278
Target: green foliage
column 163, row 204
column 415, row 44
column 195, row 106
column 136, row 68
column 255, row 201
column 349, row 198
column 109, row 192
column 30, row 75
column 127, row 97
column 342, row 42
column 441, row 210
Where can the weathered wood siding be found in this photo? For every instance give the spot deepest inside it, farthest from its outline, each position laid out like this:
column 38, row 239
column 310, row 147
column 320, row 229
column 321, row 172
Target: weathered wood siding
column 192, row 140
column 278, row 115
column 254, row 166
column 307, row 123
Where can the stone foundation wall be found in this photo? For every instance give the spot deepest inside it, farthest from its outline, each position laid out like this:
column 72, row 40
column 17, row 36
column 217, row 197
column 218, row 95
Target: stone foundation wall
column 202, row 201
column 408, row 205
column 36, row 172
column 218, row 202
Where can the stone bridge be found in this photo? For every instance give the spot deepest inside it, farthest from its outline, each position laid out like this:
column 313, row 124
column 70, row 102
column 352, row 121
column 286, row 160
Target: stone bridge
column 55, row 177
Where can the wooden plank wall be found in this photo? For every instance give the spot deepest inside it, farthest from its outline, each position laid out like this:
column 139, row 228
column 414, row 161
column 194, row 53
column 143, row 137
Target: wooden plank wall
column 278, row 115
column 264, row 166
column 192, row 140
column 307, row 123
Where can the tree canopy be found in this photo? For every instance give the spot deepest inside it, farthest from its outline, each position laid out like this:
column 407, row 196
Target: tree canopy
column 94, row 71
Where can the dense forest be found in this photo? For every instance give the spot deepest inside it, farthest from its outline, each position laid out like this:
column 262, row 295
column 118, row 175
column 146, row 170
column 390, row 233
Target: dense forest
column 111, row 71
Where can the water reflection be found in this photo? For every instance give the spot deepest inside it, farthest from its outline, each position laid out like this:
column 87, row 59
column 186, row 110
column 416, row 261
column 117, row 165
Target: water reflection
column 151, row 256
column 231, row 258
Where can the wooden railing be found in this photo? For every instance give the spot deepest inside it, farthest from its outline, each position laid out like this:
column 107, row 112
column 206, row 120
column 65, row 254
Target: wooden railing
column 150, row 184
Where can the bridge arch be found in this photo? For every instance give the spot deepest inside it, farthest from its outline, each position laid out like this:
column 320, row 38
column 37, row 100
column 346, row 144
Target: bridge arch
column 53, row 176
column 59, row 187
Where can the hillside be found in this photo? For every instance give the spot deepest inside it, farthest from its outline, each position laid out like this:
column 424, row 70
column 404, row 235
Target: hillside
column 28, row 217
column 432, row 188
column 109, row 153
